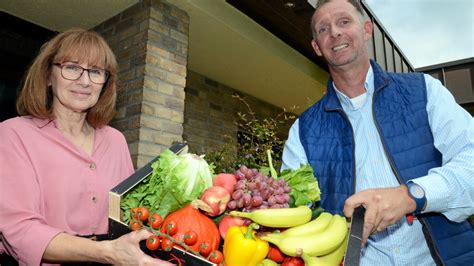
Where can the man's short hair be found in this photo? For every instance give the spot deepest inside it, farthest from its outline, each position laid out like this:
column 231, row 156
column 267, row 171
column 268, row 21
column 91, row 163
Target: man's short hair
column 355, row 3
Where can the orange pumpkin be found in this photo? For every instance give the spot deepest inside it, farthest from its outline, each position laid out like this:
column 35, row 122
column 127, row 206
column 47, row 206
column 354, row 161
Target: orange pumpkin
column 188, row 218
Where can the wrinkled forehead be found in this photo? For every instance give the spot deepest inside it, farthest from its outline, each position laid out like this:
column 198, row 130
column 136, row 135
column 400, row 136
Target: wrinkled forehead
column 83, row 51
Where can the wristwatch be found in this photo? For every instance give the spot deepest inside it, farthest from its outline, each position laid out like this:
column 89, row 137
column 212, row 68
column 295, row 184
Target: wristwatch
column 417, row 193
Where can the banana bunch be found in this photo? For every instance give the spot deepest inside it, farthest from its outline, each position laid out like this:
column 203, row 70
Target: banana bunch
column 321, row 241
column 278, row 217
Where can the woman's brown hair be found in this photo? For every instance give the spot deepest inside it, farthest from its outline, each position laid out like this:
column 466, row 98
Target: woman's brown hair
column 36, row 97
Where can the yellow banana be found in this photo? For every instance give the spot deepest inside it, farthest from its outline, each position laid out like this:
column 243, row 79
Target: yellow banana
column 313, row 261
column 278, row 217
column 313, row 244
column 332, row 259
column 335, row 257
column 312, row 227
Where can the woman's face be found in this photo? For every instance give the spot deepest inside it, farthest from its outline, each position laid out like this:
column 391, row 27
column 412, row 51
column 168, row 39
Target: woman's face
column 75, row 95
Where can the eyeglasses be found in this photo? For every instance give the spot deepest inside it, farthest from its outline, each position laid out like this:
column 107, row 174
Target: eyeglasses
column 74, row 72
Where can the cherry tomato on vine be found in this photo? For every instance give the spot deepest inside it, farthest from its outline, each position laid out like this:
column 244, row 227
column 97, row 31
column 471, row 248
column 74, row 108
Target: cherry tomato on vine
column 166, row 244
column 153, row 242
column 190, row 238
column 205, row 248
column 155, row 220
column 179, row 237
column 134, row 213
column 143, row 213
column 216, row 257
column 171, row 228
column 134, row 225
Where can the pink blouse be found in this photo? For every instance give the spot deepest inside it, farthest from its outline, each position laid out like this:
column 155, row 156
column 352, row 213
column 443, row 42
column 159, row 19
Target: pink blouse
column 48, row 185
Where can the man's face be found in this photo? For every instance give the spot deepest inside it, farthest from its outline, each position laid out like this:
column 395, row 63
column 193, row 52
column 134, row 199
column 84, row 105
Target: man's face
column 340, row 34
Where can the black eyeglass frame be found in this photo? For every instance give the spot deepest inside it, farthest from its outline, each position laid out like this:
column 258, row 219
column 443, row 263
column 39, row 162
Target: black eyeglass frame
column 61, row 66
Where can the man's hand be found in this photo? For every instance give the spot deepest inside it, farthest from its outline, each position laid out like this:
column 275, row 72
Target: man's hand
column 383, row 207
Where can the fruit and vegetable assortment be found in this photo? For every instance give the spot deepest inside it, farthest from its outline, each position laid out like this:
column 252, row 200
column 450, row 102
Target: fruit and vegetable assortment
column 250, row 217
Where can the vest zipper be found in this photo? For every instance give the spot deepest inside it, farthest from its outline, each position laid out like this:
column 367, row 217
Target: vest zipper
column 426, row 231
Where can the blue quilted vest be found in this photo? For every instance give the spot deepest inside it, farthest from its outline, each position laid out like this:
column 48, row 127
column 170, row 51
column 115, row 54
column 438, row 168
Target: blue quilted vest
column 399, row 109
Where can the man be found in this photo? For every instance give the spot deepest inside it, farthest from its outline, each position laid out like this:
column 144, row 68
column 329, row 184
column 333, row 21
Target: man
column 397, row 144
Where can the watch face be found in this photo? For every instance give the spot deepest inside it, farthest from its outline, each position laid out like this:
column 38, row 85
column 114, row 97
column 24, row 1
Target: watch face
column 416, row 191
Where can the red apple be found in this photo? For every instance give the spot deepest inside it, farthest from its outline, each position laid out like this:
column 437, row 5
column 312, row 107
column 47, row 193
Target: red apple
column 213, row 201
column 227, row 221
column 293, row 261
column 226, row 181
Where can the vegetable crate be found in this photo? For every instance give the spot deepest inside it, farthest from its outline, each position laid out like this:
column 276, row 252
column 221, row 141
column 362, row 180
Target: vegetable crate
column 118, row 228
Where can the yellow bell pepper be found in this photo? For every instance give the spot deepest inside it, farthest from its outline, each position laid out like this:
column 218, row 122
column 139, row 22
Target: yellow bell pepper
column 241, row 247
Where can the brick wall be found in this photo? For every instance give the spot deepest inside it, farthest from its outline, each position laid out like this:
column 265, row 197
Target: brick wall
column 210, row 112
column 150, row 41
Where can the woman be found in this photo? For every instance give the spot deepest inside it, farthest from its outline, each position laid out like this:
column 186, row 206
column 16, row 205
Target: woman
column 59, row 159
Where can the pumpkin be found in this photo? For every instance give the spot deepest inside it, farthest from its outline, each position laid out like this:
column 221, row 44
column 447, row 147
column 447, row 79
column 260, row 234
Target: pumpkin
column 189, row 218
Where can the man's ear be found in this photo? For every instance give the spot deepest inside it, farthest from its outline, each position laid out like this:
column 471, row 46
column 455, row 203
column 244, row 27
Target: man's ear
column 316, row 47
column 368, row 28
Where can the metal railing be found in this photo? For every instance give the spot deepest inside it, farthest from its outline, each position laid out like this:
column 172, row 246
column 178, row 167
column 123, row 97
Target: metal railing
column 383, row 48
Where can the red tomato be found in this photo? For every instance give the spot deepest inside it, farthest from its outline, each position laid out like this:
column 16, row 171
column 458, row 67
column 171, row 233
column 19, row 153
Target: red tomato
column 190, row 238
column 171, row 228
column 143, row 213
column 135, row 225
column 275, row 254
column 134, row 213
column 153, row 242
column 155, row 221
column 205, row 248
column 292, row 261
column 166, row 244
column 216, row 257
column 179, row 237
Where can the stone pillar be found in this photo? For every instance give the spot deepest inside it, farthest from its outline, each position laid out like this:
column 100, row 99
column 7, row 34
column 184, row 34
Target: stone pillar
column 150, row 41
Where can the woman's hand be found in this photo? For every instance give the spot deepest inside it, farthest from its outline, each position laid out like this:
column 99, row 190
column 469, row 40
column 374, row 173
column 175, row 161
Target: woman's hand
column 125, row 250
column 383, row 207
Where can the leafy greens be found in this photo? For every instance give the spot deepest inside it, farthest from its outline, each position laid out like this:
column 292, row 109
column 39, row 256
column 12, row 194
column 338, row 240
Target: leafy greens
column 176, row 180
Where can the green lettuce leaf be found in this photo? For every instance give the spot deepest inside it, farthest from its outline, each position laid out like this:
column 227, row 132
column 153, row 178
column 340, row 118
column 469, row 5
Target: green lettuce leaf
column 176, row 180
column 303, row 183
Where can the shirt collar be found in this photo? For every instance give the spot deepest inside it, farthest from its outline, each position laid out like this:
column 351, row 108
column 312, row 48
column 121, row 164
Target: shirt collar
column 368, row 85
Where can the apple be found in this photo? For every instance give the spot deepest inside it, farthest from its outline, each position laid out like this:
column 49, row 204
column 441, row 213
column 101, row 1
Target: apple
column 227, row 221
column 213, row 201
column 226, row 181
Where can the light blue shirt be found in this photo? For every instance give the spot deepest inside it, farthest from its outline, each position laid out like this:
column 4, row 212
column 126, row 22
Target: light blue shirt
column 449, row 189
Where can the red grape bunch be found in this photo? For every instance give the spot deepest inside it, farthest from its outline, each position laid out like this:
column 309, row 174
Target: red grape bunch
column 255, row 190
